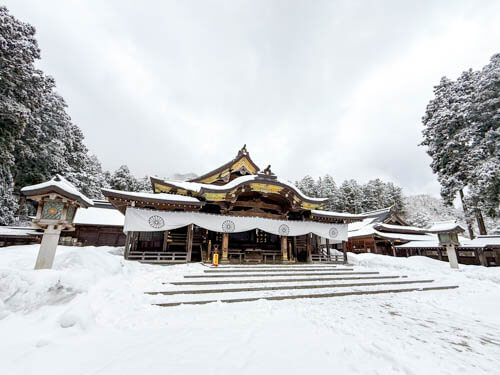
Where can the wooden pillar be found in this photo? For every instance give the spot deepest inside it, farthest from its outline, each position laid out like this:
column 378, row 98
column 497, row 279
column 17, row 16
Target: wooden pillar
column 165, row 240
column 482, row 257
column 290, row 255
column 284, row 249
column 344, row 250
column 209, row 250
column 440, row 256
column 225, row 246
column 308, row 247
column 295, row 251
column 127, row 245
column 189, row 242
column 327, row 241
column 497, row 256
column 134, row 239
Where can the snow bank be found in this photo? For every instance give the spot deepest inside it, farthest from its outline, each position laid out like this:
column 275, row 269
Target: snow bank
column 420, row 265
column 75, row 271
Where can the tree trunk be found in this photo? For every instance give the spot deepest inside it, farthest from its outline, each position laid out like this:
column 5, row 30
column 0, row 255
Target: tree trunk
column 467, row 220
column 480, row 223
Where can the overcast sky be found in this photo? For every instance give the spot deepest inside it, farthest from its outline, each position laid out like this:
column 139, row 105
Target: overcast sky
column 312, row 87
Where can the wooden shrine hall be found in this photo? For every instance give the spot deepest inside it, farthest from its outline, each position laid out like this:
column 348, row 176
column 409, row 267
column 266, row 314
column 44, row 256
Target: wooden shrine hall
column 238, row 211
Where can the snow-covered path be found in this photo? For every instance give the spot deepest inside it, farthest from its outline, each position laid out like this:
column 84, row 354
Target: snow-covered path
column 90, row 316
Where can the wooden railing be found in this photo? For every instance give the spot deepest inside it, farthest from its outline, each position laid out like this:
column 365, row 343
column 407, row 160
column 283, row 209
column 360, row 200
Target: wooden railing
column 324, row 256
column 158, row 256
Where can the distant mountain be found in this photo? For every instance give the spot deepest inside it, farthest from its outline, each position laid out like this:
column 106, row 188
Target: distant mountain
column 424, row 210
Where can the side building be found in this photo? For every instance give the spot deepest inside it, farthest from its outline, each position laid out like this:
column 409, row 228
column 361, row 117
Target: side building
column 99, row 225
column 381, row 231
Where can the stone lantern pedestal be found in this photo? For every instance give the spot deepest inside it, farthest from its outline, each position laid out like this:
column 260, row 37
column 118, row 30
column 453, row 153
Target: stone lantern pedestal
column 58, row 201
column 48, row 247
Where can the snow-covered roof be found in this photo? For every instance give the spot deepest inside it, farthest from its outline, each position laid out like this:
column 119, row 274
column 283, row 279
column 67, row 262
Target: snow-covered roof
column 19, row 232
column 371, row 230
column 60, row 185
column 340, row 215
column 360, row 224
column 198, row 187
column 446, row 226
column 152, row 196
column 399, row 228
column 481, row 241
column 99, row 216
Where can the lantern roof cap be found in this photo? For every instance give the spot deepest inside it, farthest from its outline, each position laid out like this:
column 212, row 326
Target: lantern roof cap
column 58, row 184
column 445, row 227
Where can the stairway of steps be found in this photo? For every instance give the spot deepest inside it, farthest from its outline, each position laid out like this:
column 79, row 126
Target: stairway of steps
column 252, row 283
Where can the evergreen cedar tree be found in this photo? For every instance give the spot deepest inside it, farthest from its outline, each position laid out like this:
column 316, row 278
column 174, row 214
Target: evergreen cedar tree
column 462, row 135
column 37, row 137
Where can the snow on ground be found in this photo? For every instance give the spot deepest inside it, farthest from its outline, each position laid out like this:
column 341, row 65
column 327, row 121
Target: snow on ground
column 89, row 315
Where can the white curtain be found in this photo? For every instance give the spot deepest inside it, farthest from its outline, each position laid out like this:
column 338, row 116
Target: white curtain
column 144, row 220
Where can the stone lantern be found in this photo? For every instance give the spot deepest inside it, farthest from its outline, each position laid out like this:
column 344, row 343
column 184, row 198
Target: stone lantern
column 448, row 238
column 58, row 200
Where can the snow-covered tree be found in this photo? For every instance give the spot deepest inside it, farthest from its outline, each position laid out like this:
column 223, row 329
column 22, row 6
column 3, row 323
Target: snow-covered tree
column 328, row 189
column 352, row 195
column 37, row 137
column 19, row 96
column 462, row 136
column 483, row 159
column 144, row 184
column 308, row 186
column 122, row 179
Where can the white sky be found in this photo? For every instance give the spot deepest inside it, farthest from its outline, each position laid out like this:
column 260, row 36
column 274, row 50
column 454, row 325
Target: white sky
column 312, row 87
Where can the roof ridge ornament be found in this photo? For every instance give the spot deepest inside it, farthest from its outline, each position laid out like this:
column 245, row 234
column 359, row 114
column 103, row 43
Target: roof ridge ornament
column 267, row 173
column 243, row 150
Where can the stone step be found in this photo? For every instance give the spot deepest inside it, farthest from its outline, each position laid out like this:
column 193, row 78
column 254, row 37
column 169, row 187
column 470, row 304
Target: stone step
column 261, row 281
column 343, row 272
column 303, row 296
column 264, row 266
column 285, row 287
column 274, row 270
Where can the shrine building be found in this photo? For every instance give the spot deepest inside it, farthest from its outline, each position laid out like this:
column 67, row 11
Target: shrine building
column 243, row 213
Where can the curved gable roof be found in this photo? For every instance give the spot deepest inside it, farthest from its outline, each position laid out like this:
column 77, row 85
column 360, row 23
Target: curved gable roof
column 242, row 160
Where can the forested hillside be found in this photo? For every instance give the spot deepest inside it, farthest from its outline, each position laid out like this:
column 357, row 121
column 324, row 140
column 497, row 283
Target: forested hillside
column 351, row 196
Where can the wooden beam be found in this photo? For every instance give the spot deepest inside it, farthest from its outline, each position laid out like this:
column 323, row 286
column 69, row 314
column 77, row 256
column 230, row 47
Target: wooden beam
column 254, row 213
column 189, row 242
column 257, row 204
